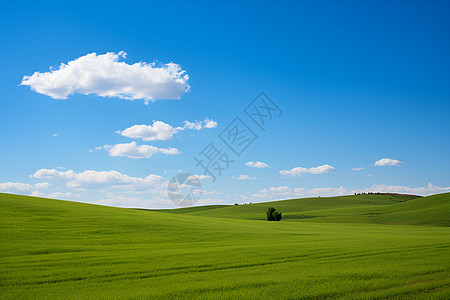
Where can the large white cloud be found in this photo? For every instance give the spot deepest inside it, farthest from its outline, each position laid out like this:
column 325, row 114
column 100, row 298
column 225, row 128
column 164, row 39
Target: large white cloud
column 133, row 150
column 387, row 162
column 298, row 171
column 257, row 164
column 106, row 76
column 160, row 131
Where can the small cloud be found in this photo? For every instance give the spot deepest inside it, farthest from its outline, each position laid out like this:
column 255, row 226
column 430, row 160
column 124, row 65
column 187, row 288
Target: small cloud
column 257, row 164
column 243, row 177
column 54, row 134
column 197, row 125
column 357, row 169
column 210, row 123
column 298, row 171
column 321, row 169
column 387, row 162
column 160, row 131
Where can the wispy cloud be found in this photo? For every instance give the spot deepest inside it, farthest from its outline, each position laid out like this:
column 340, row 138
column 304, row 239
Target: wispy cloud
column 243, row 177
column 133, row 150
column 284, row 192
column 298, row 171
column 257, row 164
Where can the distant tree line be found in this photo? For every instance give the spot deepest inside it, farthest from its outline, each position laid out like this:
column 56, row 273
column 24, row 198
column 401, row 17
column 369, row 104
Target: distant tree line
column 368, row 193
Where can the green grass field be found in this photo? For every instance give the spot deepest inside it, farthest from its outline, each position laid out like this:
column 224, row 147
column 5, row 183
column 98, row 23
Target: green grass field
column 361, row 247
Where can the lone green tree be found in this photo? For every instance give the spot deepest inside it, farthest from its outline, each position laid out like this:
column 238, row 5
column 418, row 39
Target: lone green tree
column 273, row 214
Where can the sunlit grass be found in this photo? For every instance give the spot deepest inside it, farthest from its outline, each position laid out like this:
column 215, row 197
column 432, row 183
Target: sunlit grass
column 58, row 249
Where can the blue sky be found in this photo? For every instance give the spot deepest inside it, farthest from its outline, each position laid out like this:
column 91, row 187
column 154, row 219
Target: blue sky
column 357, row 82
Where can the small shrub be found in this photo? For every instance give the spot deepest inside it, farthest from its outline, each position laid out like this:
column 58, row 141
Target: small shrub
column 273, row 215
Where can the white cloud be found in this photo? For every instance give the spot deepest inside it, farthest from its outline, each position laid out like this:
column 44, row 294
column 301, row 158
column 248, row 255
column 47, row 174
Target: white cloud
column 284, row 192
column 42, row 185
column 298, row 171
column 243, row 177
column 160, row 131
column 200, row 177
column 96, row 179
column 357, row 169
column 199, row 125
column 52, row 173
column 210, row 123
column 54, row 134
column 133, row 150
column 157, row 131
column 387, row 162
column 257, row 164
column 15, row 187
column 105, row 76
column 321, row 169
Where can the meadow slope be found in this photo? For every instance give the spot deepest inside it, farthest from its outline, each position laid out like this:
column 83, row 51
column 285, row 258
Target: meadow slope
column 52, row 249
column 369, row 208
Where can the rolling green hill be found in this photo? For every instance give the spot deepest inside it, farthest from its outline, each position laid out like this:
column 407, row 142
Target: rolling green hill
column 52, row 249
column 369, row 208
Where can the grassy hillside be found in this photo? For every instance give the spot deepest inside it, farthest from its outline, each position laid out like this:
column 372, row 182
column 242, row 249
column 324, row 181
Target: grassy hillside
column 57, row 249
column 373, row 208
